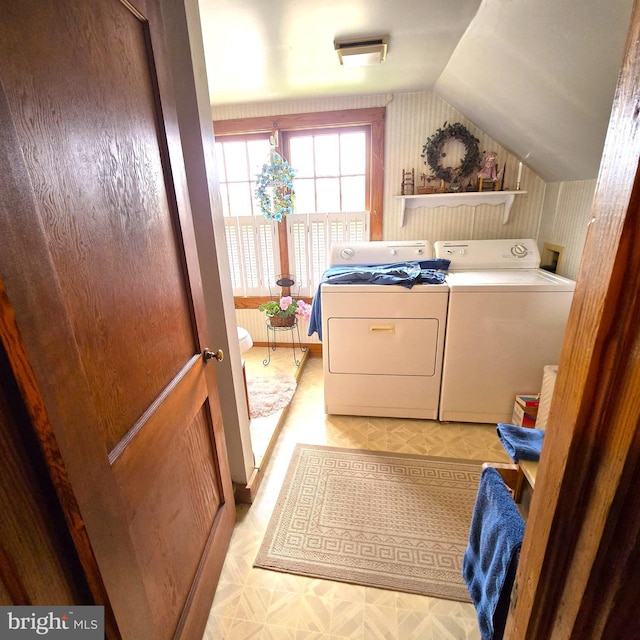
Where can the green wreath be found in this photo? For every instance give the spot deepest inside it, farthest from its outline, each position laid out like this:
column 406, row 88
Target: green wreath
column 432, row 152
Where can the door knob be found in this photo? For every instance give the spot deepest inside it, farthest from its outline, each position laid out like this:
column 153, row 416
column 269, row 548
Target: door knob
column 218, row 355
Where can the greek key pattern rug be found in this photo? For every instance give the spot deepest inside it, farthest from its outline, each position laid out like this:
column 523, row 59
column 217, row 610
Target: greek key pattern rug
column 393, row 521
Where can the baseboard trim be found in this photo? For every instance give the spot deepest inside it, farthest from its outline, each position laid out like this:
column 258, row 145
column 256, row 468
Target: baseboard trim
column 246, row 494
column 314, row 349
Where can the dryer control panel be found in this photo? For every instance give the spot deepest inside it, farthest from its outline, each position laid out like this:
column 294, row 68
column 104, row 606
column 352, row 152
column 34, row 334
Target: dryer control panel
column 379, row 252
column 470, row 255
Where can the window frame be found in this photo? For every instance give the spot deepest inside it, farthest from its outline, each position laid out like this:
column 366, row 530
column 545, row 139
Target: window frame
column 371, row 117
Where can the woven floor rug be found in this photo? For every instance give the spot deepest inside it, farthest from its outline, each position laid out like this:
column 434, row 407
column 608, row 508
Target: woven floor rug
column 393, row 521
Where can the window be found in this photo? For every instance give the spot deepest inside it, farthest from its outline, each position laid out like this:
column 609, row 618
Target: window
column 331, row 198
column 252, row 241
column 337, row 158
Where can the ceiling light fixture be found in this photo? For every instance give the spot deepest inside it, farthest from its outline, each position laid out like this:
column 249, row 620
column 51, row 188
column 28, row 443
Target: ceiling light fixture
column 362, row 52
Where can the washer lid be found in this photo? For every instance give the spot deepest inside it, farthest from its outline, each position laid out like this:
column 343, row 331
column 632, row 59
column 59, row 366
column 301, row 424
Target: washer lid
column 507, row 280
column 489, row 254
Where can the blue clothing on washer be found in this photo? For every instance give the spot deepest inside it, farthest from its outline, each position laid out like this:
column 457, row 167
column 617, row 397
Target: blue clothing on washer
column 405, row 274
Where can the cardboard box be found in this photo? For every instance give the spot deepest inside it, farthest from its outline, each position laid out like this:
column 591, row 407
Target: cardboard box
column 521, row 418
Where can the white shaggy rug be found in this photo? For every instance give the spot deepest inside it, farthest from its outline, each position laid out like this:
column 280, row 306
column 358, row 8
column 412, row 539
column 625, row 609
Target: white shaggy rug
column 269, row 394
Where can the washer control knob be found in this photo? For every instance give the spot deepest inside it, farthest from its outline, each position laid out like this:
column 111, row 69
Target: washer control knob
column 519, row 251
column 420, row 251
column 347, row 253
column 394, row 252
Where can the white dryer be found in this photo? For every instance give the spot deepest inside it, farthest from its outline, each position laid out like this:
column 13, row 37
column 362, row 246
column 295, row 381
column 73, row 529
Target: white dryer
column 382, row 344
column 506, row 321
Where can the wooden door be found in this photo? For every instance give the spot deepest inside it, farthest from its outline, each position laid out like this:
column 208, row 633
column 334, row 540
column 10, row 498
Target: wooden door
column 102, row 314
column 579, row 569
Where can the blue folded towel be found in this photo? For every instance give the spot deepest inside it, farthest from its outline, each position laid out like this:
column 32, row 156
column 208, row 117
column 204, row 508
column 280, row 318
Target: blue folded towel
column 491, row 558
column 521, row 443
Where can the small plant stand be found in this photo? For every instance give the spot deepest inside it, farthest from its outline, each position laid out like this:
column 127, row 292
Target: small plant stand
column 272, row 332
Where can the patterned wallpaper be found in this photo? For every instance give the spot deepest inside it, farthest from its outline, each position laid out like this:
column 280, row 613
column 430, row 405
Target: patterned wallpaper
column 565, row 215
column 411, row 119
column 556, row 213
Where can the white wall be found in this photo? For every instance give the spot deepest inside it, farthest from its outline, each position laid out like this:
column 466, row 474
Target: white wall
column 540, row 75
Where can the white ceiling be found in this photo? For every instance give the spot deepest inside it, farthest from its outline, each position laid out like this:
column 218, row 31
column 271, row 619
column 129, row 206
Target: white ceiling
column 537, row 75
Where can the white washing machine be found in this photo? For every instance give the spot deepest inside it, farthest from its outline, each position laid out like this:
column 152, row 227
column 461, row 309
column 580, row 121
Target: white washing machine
column 506, row 321
column 382, row 344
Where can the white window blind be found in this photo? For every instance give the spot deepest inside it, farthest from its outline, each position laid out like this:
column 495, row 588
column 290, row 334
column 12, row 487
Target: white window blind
column 252, row 244
column 252, row 241
column 332, row 204
column 310, row 237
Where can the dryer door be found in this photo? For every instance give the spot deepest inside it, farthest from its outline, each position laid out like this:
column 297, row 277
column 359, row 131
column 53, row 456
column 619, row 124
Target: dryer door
column 383, row 346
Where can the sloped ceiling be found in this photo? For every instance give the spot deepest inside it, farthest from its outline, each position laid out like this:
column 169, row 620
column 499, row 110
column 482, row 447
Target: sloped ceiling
column 537, row 75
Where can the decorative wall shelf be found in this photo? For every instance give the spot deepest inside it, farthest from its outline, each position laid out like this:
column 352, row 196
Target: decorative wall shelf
column 468, row 198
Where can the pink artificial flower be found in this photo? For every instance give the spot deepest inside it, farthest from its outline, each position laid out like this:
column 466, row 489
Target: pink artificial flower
column 303, row 310
column 285, row 302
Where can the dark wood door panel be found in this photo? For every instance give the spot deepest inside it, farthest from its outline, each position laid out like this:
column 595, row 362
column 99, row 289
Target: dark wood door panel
column 100, row 264
column 156, row 427
column 98, row 176
column 173, row 522
column 36, row 564
column 166, row 440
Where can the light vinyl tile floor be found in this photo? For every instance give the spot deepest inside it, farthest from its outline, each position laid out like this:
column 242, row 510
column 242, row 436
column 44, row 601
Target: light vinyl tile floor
column 258, row 604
